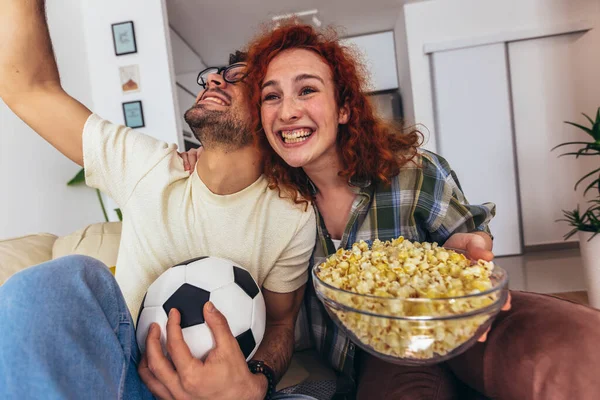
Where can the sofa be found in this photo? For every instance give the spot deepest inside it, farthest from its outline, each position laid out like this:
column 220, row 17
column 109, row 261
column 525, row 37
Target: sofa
column 307, row 373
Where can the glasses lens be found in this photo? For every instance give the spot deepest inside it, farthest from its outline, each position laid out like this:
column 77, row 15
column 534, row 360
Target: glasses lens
column 203, row 77
column 235, row 74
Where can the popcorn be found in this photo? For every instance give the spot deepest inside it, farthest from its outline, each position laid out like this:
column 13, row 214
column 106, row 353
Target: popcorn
column 391, row 272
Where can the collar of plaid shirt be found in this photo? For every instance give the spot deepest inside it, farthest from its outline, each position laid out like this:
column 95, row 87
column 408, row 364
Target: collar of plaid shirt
column 423, row 203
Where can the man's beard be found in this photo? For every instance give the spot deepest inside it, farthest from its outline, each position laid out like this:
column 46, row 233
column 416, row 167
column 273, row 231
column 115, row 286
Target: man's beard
column 218, row 129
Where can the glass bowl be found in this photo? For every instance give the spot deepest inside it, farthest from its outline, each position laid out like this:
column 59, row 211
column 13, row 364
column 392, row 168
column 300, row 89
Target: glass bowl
column 413, row 331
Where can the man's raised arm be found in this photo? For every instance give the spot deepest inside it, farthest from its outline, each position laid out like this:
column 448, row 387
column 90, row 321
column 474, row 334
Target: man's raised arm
column 29, row 80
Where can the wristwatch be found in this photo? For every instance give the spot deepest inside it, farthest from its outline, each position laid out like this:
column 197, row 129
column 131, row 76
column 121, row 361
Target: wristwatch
column 259, row 367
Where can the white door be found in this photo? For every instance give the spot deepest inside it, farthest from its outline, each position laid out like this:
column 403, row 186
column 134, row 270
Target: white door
column 474, row 133
column 554, row 79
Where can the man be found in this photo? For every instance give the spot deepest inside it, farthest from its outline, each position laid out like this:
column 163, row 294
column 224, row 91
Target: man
column 223, row 209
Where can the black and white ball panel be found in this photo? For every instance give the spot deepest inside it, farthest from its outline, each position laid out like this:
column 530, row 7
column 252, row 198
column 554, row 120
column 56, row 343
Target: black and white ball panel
column 199, row 339
column 245, row 281
column 259, row 312
column 190, row 261
column 164, row 287
column 210, row 273
column 189, row 300
column 188, row 286
column 147, row 316
column 232, row 300
column 247, row 343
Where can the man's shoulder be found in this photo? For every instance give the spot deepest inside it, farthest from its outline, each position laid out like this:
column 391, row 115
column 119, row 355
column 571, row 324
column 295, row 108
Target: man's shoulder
column 101, row 129
column 282, row 206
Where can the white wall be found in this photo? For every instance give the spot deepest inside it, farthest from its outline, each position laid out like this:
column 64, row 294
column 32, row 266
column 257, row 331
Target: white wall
column 403, row 66
column 155, row 61
column 439, row 21
column 33, row 175
column 379, row 56
column 185, row 60
column 153, row 57
column 187, row 64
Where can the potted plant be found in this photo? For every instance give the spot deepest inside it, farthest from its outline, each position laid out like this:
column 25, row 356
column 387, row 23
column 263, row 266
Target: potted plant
column 79, row 179
column 586, row 223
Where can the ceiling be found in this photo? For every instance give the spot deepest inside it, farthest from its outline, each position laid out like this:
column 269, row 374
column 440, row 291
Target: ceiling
column 216, row 28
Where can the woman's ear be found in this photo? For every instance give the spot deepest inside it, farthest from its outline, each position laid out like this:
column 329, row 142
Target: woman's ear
column 344, row 114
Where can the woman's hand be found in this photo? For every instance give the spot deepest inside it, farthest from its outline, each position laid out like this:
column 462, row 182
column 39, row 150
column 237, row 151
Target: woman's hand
column 190, row 158
column 477, row 247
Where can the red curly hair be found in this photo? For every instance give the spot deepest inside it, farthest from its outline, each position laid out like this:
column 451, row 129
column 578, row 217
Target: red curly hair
column 369, row 147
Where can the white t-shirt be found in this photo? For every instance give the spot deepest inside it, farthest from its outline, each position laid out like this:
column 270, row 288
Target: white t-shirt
column 170, row 216
column 336, row 243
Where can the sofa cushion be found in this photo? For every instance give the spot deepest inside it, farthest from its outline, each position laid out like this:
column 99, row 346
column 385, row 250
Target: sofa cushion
column 19, row 253
column 100, row 241
column 306, row 366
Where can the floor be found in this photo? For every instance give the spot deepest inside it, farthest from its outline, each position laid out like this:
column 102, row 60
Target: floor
column 558, row 272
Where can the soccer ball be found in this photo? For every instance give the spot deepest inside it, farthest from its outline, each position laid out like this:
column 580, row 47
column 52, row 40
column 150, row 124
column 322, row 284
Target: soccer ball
column 187, row 287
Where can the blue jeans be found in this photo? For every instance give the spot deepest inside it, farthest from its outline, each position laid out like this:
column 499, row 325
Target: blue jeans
column 66, row 333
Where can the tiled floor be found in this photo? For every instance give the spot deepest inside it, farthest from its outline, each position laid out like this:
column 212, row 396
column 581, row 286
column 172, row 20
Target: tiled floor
column 545, row 271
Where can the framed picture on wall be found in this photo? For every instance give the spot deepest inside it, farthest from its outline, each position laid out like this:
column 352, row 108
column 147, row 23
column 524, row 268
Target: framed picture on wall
column 124, row 38
column 130, row 78
column 134, row 114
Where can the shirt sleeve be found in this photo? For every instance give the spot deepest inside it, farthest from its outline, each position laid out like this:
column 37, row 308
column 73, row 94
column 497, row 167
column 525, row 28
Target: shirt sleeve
column 291, row 270
column 443, row 205
column 116, row 157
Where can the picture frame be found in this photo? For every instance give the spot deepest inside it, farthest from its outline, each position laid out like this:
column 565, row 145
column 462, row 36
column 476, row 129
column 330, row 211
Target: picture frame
column 130, row 78
column 124, row 38
column 133, row 114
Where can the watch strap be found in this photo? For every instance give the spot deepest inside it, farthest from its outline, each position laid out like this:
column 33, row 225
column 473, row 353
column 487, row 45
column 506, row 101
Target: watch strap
column 260, row 367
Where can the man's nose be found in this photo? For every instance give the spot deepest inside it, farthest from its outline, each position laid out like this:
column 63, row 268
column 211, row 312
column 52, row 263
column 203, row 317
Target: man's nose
column 215, row 80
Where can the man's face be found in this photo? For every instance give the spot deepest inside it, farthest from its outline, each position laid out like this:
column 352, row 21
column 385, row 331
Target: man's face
column 221, row 115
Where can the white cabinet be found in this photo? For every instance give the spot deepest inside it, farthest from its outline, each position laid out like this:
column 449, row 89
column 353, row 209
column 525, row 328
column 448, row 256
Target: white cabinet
column 551, row 84
column 474, row 133
column 481, row 92
column 552, row 68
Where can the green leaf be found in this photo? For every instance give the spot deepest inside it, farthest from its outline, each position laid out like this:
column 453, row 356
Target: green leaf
column 77, row 179
column 581, row 152
column 583, row 128
column 593, row 236
column 597, row 202
column 567, row 143
column 592, row 185
column 596, row 127
column 102, row 204
column 586, row 176
column 119, row 214
column 589, row 119
column 571, row 233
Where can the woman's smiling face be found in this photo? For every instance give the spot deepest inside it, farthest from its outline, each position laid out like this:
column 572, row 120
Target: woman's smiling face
column 299, row 113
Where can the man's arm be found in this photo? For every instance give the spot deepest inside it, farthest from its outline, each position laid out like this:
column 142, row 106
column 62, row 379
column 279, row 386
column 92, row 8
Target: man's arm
column 29, row 80
column 224, row 374
column 277, row 345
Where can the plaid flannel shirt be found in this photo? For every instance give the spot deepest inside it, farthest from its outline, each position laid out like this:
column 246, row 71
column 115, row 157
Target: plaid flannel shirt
column 423, row 203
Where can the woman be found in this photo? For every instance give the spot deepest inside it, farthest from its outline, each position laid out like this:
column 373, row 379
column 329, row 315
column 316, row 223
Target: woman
column 322, row 142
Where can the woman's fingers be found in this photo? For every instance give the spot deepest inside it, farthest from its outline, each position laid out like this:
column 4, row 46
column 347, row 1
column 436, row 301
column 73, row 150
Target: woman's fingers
column 186, row 161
